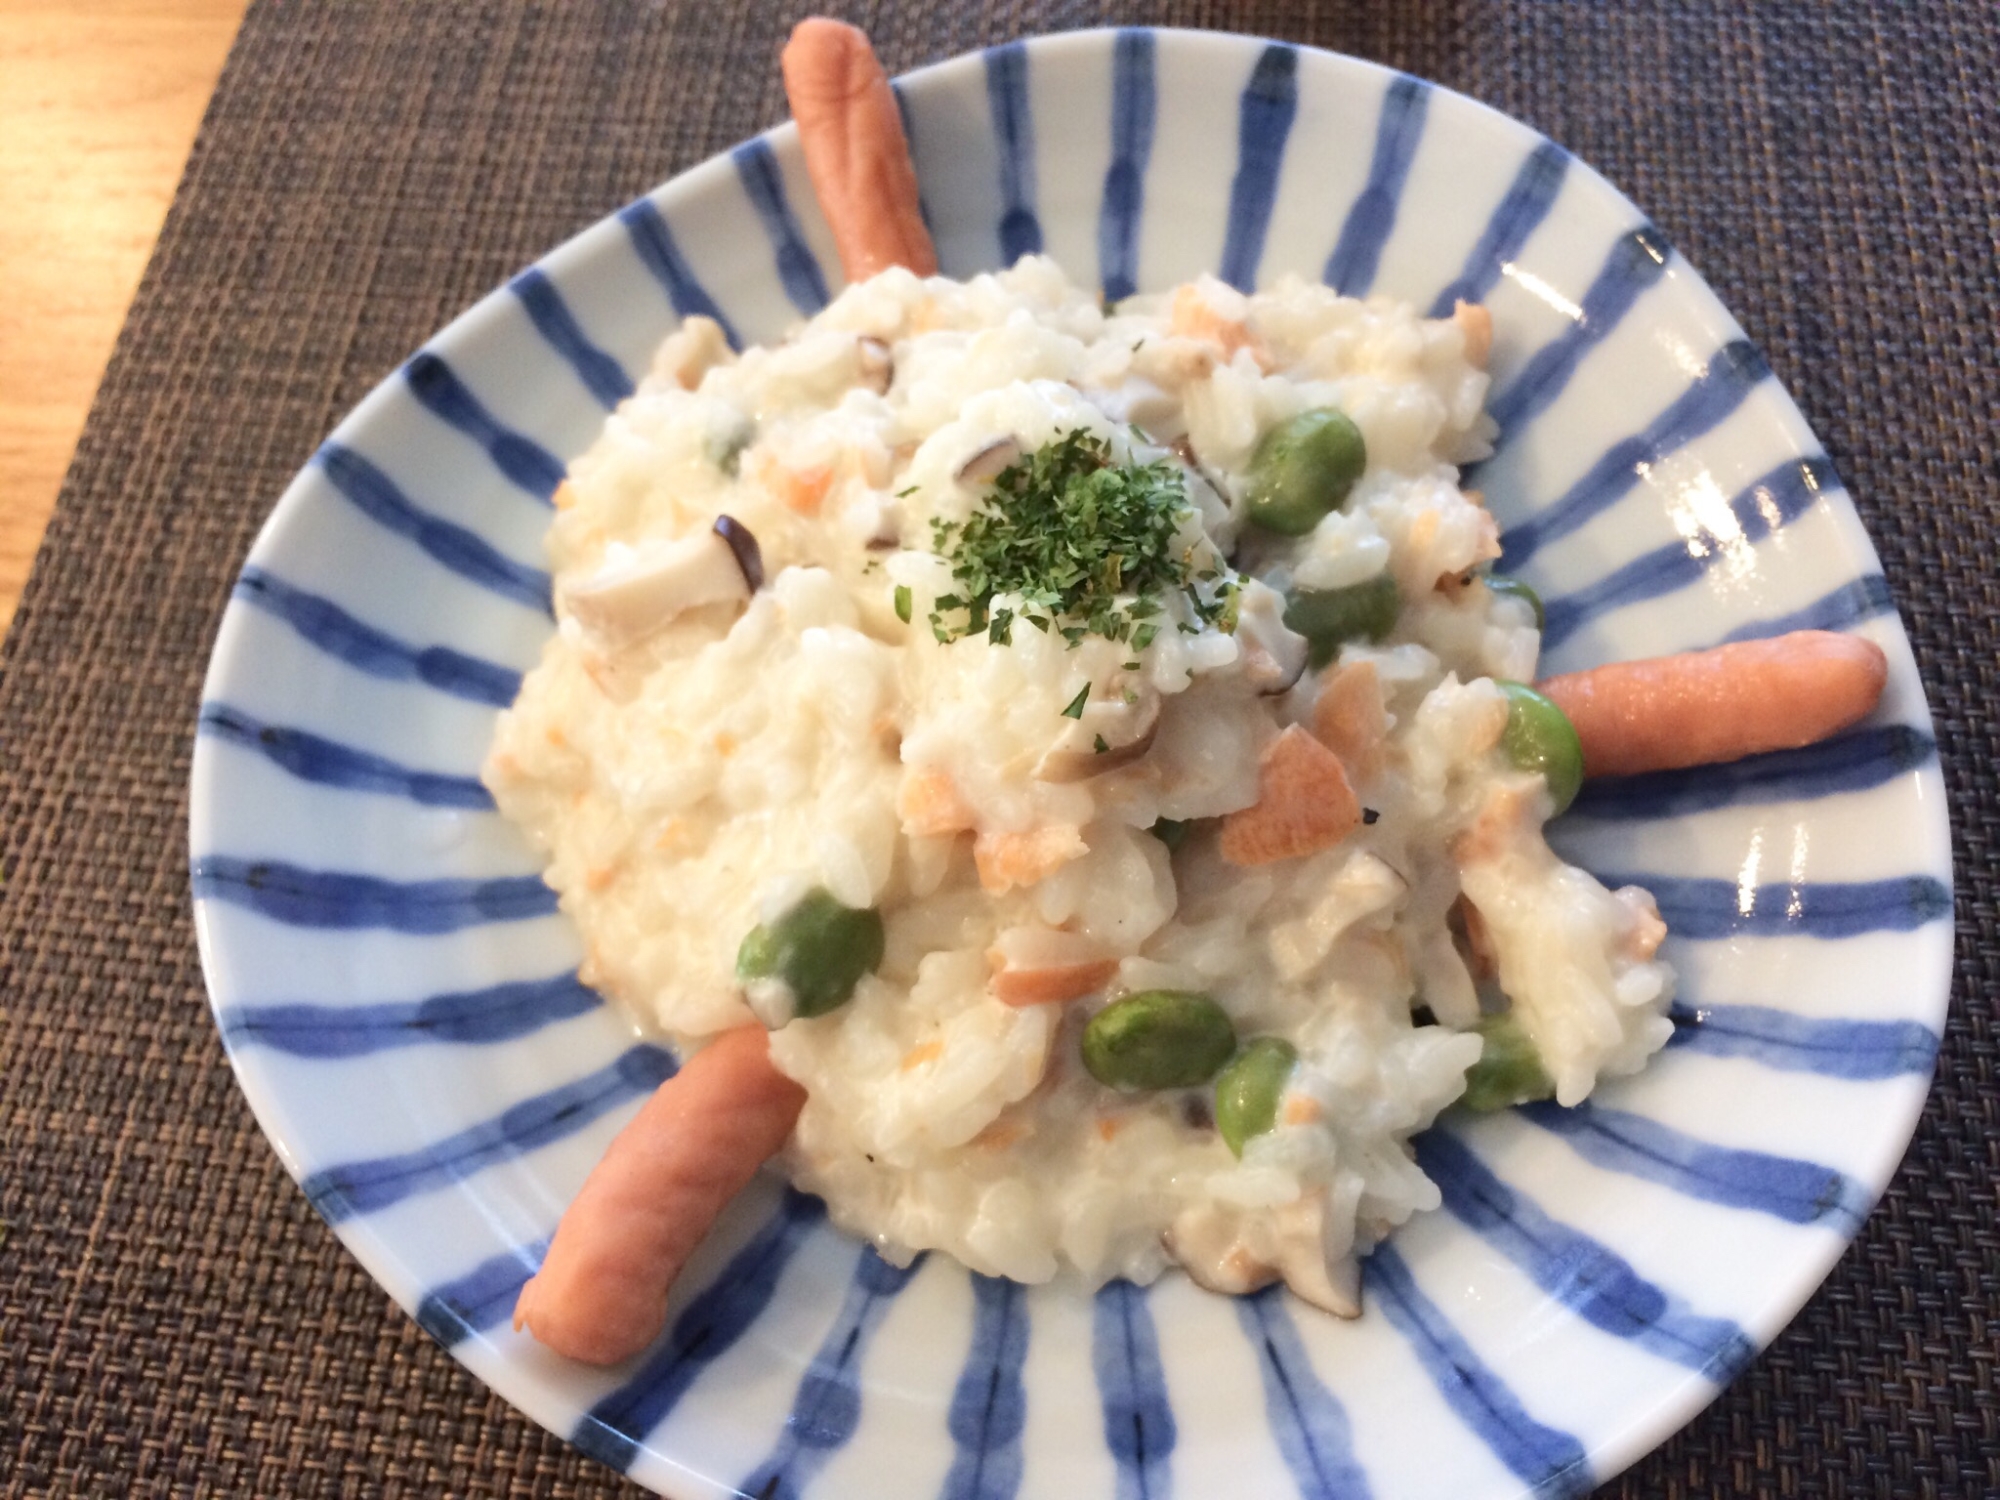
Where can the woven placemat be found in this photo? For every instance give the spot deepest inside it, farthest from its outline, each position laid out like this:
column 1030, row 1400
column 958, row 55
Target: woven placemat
column 173, row 1316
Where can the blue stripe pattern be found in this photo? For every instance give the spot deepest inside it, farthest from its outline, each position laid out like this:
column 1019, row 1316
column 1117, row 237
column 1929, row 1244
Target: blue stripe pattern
column 1731, row 375
column 482, row 1298
column 1776, row 500
column 910, row 140
column 329, row 763
column 1014, row 136
column 1313, row 1433
column 827, row 1409
column 497, row 1013
column 1861, row 599
column 1637, row 261
column 526, row 463
column 1854, row 1050
column 1550, row 1461
column 1592, row 1281
column 1350, row 270
column 1264, row 119
column 1138, row 1417
column 299, row 897
column 327, row 627
column 989, row 1405
column 1530, row 196
column 601, row 375
column 342, row 1192
column 1700, row 908
column 1799, row 1192
column 653, row 242
column 1847, row 763
column 798, row 268
column 612, row 1430
column 456, row 548
column 1134, row 103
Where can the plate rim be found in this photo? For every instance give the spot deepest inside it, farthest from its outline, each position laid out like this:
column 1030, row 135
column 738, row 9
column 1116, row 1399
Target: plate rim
column 1639, row 1431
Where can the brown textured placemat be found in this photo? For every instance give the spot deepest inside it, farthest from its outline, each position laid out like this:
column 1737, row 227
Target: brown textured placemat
column 172, row 1315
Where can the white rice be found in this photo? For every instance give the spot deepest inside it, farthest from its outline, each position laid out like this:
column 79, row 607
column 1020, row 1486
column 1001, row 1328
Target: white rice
column 696, row 779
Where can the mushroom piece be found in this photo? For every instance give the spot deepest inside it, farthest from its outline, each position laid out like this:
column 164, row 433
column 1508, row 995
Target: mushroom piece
column 1208, row 1243
column 1216, row 1249
column 639, row 592
column 1333, row 1286
column 1138, row 402
column 1108, row 735
column 1317, row 1258
column 743, row 546
column 990, row 462
column 1274, row 655
column 878, row 364
column 1205, row 490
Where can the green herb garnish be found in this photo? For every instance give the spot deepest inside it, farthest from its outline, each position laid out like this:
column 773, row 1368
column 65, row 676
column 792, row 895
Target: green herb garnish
column 1075, row 709
column 1087, row 544
column 903, row 602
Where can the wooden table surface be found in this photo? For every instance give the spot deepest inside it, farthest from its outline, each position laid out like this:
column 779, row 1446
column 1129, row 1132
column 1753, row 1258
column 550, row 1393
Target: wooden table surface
column 99, row 103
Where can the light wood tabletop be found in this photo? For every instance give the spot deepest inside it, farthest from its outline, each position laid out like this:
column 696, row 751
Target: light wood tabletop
column 99, row 104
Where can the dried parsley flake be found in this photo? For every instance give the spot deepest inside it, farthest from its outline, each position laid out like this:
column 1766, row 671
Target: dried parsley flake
column 1086, row 543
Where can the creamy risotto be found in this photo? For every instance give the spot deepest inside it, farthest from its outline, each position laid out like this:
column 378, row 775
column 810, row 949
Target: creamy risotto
column 1090, row 740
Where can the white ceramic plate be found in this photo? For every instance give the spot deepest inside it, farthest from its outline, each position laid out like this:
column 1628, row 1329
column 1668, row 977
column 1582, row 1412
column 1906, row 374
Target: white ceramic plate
column 396, row 989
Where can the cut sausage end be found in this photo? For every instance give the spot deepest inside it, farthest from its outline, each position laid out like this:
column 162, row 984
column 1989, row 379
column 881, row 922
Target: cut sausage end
column 600, row 1296
column 856, row 154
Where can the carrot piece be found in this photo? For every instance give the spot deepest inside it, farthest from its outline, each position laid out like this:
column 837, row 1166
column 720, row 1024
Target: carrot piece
column 601, row 1294
column 1304, row 804
column 1702, row 707
column 1349, row 718
column 802, row 490
column 859, row 161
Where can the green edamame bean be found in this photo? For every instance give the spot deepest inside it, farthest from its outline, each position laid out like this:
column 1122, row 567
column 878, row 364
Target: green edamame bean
column 1329, row 617
column 820, row 949
column 1158, row 1039
column 1247, row 1092
column 1303, row 469
column 1513, row 588
column 1541, row 738
column 1509, row 1071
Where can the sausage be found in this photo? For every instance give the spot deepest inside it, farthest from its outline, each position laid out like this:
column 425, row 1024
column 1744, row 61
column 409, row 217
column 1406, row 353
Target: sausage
column 859, row 161
column 1702, row 707
column 601, row 1294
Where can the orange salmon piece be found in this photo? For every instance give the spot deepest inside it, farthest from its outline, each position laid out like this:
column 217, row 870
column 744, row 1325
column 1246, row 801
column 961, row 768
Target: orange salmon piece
column 1305, row 803
column 1006, row 860
column 928, row 803
column 1349, row 718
